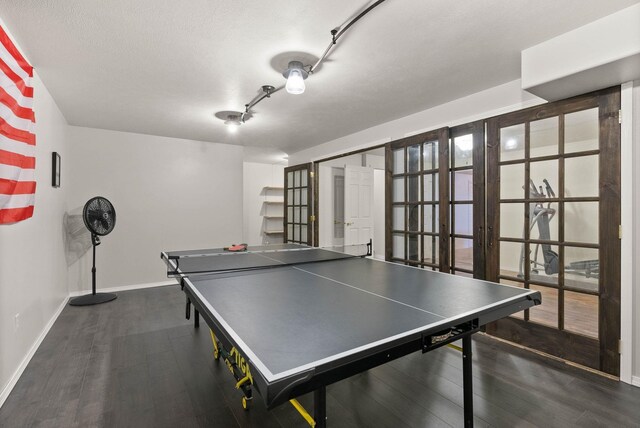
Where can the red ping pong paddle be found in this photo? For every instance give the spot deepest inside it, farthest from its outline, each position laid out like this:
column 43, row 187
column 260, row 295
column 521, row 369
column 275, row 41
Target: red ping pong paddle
column 237, row 247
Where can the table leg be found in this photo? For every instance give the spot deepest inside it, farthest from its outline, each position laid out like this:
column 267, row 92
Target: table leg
column 320, row 407
column 196, row 321
column 467, row 383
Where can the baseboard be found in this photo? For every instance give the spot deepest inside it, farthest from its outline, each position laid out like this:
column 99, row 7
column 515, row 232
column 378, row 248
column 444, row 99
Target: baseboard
column 635, row 381
column 25, row 361
column 124, row 288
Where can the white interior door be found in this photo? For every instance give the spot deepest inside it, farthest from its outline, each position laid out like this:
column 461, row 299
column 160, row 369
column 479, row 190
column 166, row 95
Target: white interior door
column 358, row 204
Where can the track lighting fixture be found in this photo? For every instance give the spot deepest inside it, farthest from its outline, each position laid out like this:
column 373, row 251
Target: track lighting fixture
column 296, row 73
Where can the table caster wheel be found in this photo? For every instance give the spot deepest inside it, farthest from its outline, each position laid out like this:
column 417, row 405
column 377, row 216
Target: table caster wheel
column 245, row 403
column 216, row 355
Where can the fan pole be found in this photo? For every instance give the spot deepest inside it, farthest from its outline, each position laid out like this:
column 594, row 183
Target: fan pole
column 93, row 298
column 93, row 269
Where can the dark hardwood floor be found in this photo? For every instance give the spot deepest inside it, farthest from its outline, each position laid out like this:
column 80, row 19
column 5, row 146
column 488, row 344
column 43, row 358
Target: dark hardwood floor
column 136, row 362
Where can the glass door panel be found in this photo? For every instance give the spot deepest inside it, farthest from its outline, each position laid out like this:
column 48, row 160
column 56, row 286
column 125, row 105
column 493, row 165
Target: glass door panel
column 581, row 222
column 462, row 150
column 512, row 220
column 543, row 137
column 512, row 142
column 581, row 131
column 463, row 254
column 512, row 182
column 581, row 313
column 581, row 176
column 463, row 219
column 431, row 215
column 547, row 313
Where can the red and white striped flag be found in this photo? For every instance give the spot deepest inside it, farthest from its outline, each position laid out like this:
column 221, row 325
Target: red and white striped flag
column 17, row 138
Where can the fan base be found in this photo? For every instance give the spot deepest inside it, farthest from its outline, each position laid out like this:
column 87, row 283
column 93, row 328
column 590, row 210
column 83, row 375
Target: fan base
column 92, row 299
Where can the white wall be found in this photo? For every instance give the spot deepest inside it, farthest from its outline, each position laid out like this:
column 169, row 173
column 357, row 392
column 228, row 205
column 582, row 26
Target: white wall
column 636, row 226
column 169, row 194
column 256, row 177
column 325, row 205
column 603, row 53
column 33, row 270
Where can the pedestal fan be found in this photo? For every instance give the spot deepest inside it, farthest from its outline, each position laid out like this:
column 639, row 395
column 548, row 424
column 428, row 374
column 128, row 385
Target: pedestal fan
column 100, row 218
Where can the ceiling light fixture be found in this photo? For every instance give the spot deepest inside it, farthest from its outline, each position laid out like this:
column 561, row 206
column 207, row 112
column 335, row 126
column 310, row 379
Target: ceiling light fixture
column 295, row 75
column 297, row 72
column 233, row 122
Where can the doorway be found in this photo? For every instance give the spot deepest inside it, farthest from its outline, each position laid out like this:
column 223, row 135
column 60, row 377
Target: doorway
column 350, row 207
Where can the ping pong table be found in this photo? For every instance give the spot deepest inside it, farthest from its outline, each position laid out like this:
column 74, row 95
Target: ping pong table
column 290, row 319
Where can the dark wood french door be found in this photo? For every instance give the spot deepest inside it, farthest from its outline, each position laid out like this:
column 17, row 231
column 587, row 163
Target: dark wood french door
column 553, row 213
column 298, row 204
column 417, row 192
column 467, row 199
column 435, row 215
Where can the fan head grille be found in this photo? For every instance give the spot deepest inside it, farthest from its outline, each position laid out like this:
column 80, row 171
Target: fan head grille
column 99, row 216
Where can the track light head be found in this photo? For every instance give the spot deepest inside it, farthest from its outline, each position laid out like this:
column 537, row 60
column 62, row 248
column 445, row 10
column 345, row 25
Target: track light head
column 233, row 122
column 295, row 75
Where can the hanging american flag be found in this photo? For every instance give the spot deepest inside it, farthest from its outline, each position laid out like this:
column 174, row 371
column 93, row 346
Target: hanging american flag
column 17, row 138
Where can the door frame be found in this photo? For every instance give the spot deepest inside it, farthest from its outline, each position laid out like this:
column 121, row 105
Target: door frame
column 316, row 185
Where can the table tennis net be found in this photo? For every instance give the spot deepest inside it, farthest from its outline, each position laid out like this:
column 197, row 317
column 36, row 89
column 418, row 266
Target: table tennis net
column 264, row 258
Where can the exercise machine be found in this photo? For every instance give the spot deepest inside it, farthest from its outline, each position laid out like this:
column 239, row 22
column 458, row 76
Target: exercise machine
column 540, row 215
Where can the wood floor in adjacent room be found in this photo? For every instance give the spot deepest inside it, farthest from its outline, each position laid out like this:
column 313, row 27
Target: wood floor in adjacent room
column 136, row 362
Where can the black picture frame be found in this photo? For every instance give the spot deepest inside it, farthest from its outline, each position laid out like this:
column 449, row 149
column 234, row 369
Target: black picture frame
column 55, row 169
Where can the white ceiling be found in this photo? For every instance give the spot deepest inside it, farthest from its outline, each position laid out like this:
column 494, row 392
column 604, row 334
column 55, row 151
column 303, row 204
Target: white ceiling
column 164, row 67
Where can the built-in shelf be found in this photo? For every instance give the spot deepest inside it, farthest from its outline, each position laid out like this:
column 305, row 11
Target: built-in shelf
column 273, row 210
